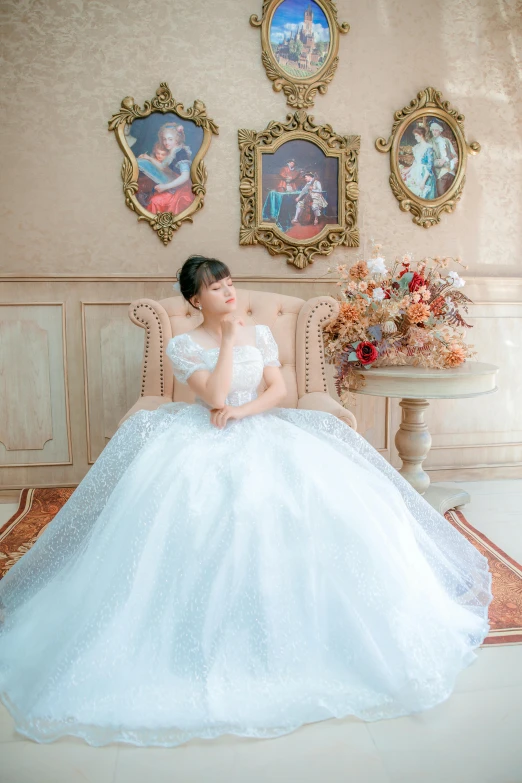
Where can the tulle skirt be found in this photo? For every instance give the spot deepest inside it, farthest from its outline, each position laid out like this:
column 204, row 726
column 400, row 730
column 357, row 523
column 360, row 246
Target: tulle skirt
column 246, row 580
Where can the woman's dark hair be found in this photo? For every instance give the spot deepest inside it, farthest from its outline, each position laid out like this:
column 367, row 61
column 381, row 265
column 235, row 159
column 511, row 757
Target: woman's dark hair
column 421, row 130
column 198, row 271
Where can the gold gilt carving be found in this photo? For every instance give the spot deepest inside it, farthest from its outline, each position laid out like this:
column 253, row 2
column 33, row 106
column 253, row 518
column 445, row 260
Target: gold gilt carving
column 254, row 146
column 428, row 156
column 300, row 92
column 166, row 222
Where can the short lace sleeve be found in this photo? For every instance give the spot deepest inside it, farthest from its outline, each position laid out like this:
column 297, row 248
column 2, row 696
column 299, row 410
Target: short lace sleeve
column 186, row 357
column 268, row 346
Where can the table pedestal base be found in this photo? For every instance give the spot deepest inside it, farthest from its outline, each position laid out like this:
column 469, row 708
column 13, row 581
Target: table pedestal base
column 413, row 442
column 414, row 386
column 445, row 496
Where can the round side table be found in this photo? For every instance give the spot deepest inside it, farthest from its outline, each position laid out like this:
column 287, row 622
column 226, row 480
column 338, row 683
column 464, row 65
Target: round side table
column 417, row 385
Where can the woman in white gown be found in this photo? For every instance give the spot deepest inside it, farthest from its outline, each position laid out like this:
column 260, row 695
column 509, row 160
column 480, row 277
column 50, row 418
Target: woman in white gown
column 235, row 567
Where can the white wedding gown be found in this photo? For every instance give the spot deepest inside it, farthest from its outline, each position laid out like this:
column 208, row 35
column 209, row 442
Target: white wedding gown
column 246, row 580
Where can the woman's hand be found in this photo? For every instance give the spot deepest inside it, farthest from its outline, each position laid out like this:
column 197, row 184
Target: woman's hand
column 162, row 188
column 220, row 416
column 229, row 326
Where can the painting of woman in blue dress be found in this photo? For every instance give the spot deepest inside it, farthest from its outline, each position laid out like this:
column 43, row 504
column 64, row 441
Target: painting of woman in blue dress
column 416, row 162
column 164, row 146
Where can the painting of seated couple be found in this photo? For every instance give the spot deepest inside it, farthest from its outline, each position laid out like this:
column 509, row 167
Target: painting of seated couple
column 428, row 157
column 164, row 147
column 299, row 185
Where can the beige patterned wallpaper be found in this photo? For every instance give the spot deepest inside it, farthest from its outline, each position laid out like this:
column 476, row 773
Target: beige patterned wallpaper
column 68, row 63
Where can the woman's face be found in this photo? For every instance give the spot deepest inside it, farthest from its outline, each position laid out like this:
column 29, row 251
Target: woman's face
column 169, row 139
column 418, row 137
column 218, row 298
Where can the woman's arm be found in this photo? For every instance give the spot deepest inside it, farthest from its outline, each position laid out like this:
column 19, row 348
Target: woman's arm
column 146, row 156
column 270, row 398
column 183, row 177
column 274, row 393
column 213, row 387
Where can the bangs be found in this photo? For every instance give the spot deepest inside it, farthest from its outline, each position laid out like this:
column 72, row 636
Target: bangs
column 210, row 272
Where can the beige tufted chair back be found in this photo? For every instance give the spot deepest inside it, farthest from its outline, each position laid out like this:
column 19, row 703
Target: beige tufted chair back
column 295, row 323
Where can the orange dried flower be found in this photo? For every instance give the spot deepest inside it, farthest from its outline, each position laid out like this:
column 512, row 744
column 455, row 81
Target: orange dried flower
column 359, row 270
column 371, row 288
column 455, row 355
column 437, row 306
column 418, row 313
column 348, row 312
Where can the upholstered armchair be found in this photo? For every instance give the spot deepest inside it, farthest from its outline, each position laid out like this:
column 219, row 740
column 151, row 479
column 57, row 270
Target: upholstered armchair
column 297, row 328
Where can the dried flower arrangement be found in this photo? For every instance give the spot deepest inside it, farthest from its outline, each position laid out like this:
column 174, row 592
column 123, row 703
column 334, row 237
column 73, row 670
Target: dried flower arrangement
column 408, row 314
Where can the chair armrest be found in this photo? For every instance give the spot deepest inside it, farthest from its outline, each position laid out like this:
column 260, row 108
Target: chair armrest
column 147, row 403
column 320, row 401
column 156, row 375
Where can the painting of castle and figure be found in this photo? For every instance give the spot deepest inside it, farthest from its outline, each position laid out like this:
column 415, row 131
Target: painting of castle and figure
column 299, row 46
column 300, row 37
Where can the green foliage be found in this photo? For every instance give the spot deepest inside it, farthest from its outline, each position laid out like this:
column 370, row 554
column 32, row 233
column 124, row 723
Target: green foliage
column 295, row 48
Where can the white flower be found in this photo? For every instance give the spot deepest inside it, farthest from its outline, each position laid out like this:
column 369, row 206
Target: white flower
column 456, row 280
column 378, row 294
column 176, row 287
column 377, row 266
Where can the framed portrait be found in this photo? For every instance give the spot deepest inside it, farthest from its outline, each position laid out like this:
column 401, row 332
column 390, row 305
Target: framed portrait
column 163, row 171
column 428, row 155
column 299, row 42
column 299, row 189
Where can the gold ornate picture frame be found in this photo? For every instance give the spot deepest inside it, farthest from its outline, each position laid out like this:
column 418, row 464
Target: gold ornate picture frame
column 299, row 46
column 428, row 156
column 299, row 188
column 163, row 171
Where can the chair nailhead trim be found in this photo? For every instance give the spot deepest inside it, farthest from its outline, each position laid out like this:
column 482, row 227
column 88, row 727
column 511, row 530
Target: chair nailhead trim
column 311, row 318
column 147, row 327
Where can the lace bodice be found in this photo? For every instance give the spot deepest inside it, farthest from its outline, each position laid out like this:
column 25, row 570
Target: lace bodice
column 187, row 356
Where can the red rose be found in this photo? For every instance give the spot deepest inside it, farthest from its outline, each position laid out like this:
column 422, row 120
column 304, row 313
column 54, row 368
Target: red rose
column 416, row 282
column 366, row 352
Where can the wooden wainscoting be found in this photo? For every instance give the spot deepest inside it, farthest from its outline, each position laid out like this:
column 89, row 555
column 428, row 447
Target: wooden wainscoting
column 70, row 368
column 112, row 358
column 34, row 401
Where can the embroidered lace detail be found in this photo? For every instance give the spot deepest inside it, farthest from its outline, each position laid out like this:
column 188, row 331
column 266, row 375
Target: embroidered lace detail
column 187, row 356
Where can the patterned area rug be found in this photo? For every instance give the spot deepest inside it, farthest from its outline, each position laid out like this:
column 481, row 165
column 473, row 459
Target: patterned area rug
column 38, row 507
column 505, row 611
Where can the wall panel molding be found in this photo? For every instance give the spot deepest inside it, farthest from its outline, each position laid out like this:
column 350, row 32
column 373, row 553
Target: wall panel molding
column 35, row 426
column 112, row 356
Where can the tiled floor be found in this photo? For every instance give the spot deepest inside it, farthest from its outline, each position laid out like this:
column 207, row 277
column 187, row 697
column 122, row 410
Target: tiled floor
column 474, row 737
